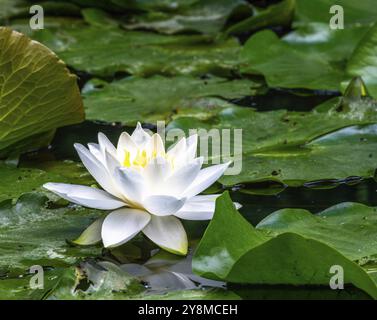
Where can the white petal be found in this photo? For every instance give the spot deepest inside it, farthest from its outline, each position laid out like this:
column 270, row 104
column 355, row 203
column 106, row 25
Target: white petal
column 183, row 177
column 131, row 183
column 91, row 235
column 168, row 233
column 125, row 143
column 122, row 225
column 96, row 169
column 111, row 163
column 192, row 145
column 139, row 136
column 200, row 208
column 206, row 178
column 95, row 150
column 162, row 205
column 177, row 149
column 85, row 196
column 155, row 146
column 156, row 171
column 105, row 144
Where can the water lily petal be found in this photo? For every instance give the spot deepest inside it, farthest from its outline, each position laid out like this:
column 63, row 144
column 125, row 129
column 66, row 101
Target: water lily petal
column 206, row 178
column 125, row 143
column 91, row 235
column 96, row 169
column 200, row 208
column 105, row 144
column 95, row 150
column 111, row 163
column 183, row 177
column 192, row 145
column 177, row 149
column 163, row 205
column 140, row 136
column 155, row 172
column 122, row 225
column 155, row 146
column 168, row 233
column 85, row 196
column 197, row 209
column 131, row 183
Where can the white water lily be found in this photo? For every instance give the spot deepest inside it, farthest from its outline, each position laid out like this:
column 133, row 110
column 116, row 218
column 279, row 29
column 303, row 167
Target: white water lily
column 150, row 188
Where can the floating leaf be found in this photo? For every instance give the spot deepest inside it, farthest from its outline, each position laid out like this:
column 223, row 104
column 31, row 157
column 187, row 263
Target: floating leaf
column 290, row 247
column 157, row 98
column 208, row 17
column 32, row 234
column 279, row 14
column 363, row 61
column 294, row 148
column 362, row 12
column 316, row 49
column 38, row 94
column 136, row 52
column 31, row 177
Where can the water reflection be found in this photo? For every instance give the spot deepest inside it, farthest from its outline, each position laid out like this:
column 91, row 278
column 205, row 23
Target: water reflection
column 162, row 273
column 256, row 207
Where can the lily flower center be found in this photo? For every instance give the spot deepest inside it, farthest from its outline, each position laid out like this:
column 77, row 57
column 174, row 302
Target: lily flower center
column 141, row 158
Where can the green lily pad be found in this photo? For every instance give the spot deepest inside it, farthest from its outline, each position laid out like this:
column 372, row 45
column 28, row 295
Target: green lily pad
column 363, row 60
column 32, row 234
column 208, row 17
column 136, row 52
column 38, row 94
column 362, row 12
column 279, row 14
column 281, row 61
column 323, row 53
column 158, row 98
column 290, row 246
column 294, row 148
column 32, row 175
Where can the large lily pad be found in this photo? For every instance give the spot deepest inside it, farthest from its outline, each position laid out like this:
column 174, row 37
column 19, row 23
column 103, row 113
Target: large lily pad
column 362, row 12
column 294, row 148
column 158, row 98
column 136, row 52
column 318, row 50
column 363, row 60
column 279, row 14
column 290, row 246
column 32, row 234
column 207, row 17
column 38, row 94
column 31, row 177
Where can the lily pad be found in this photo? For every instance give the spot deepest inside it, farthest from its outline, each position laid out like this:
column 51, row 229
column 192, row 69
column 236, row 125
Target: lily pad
column 158, row 98
column 319, row 51
column 362, row 12
column 363, row 60
column 294, row 148
column 137, row 52
column 204, row 16
column 32, row 234
column 290, row 247
column 279, row 14
column 38, row 94
column 31, row 177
